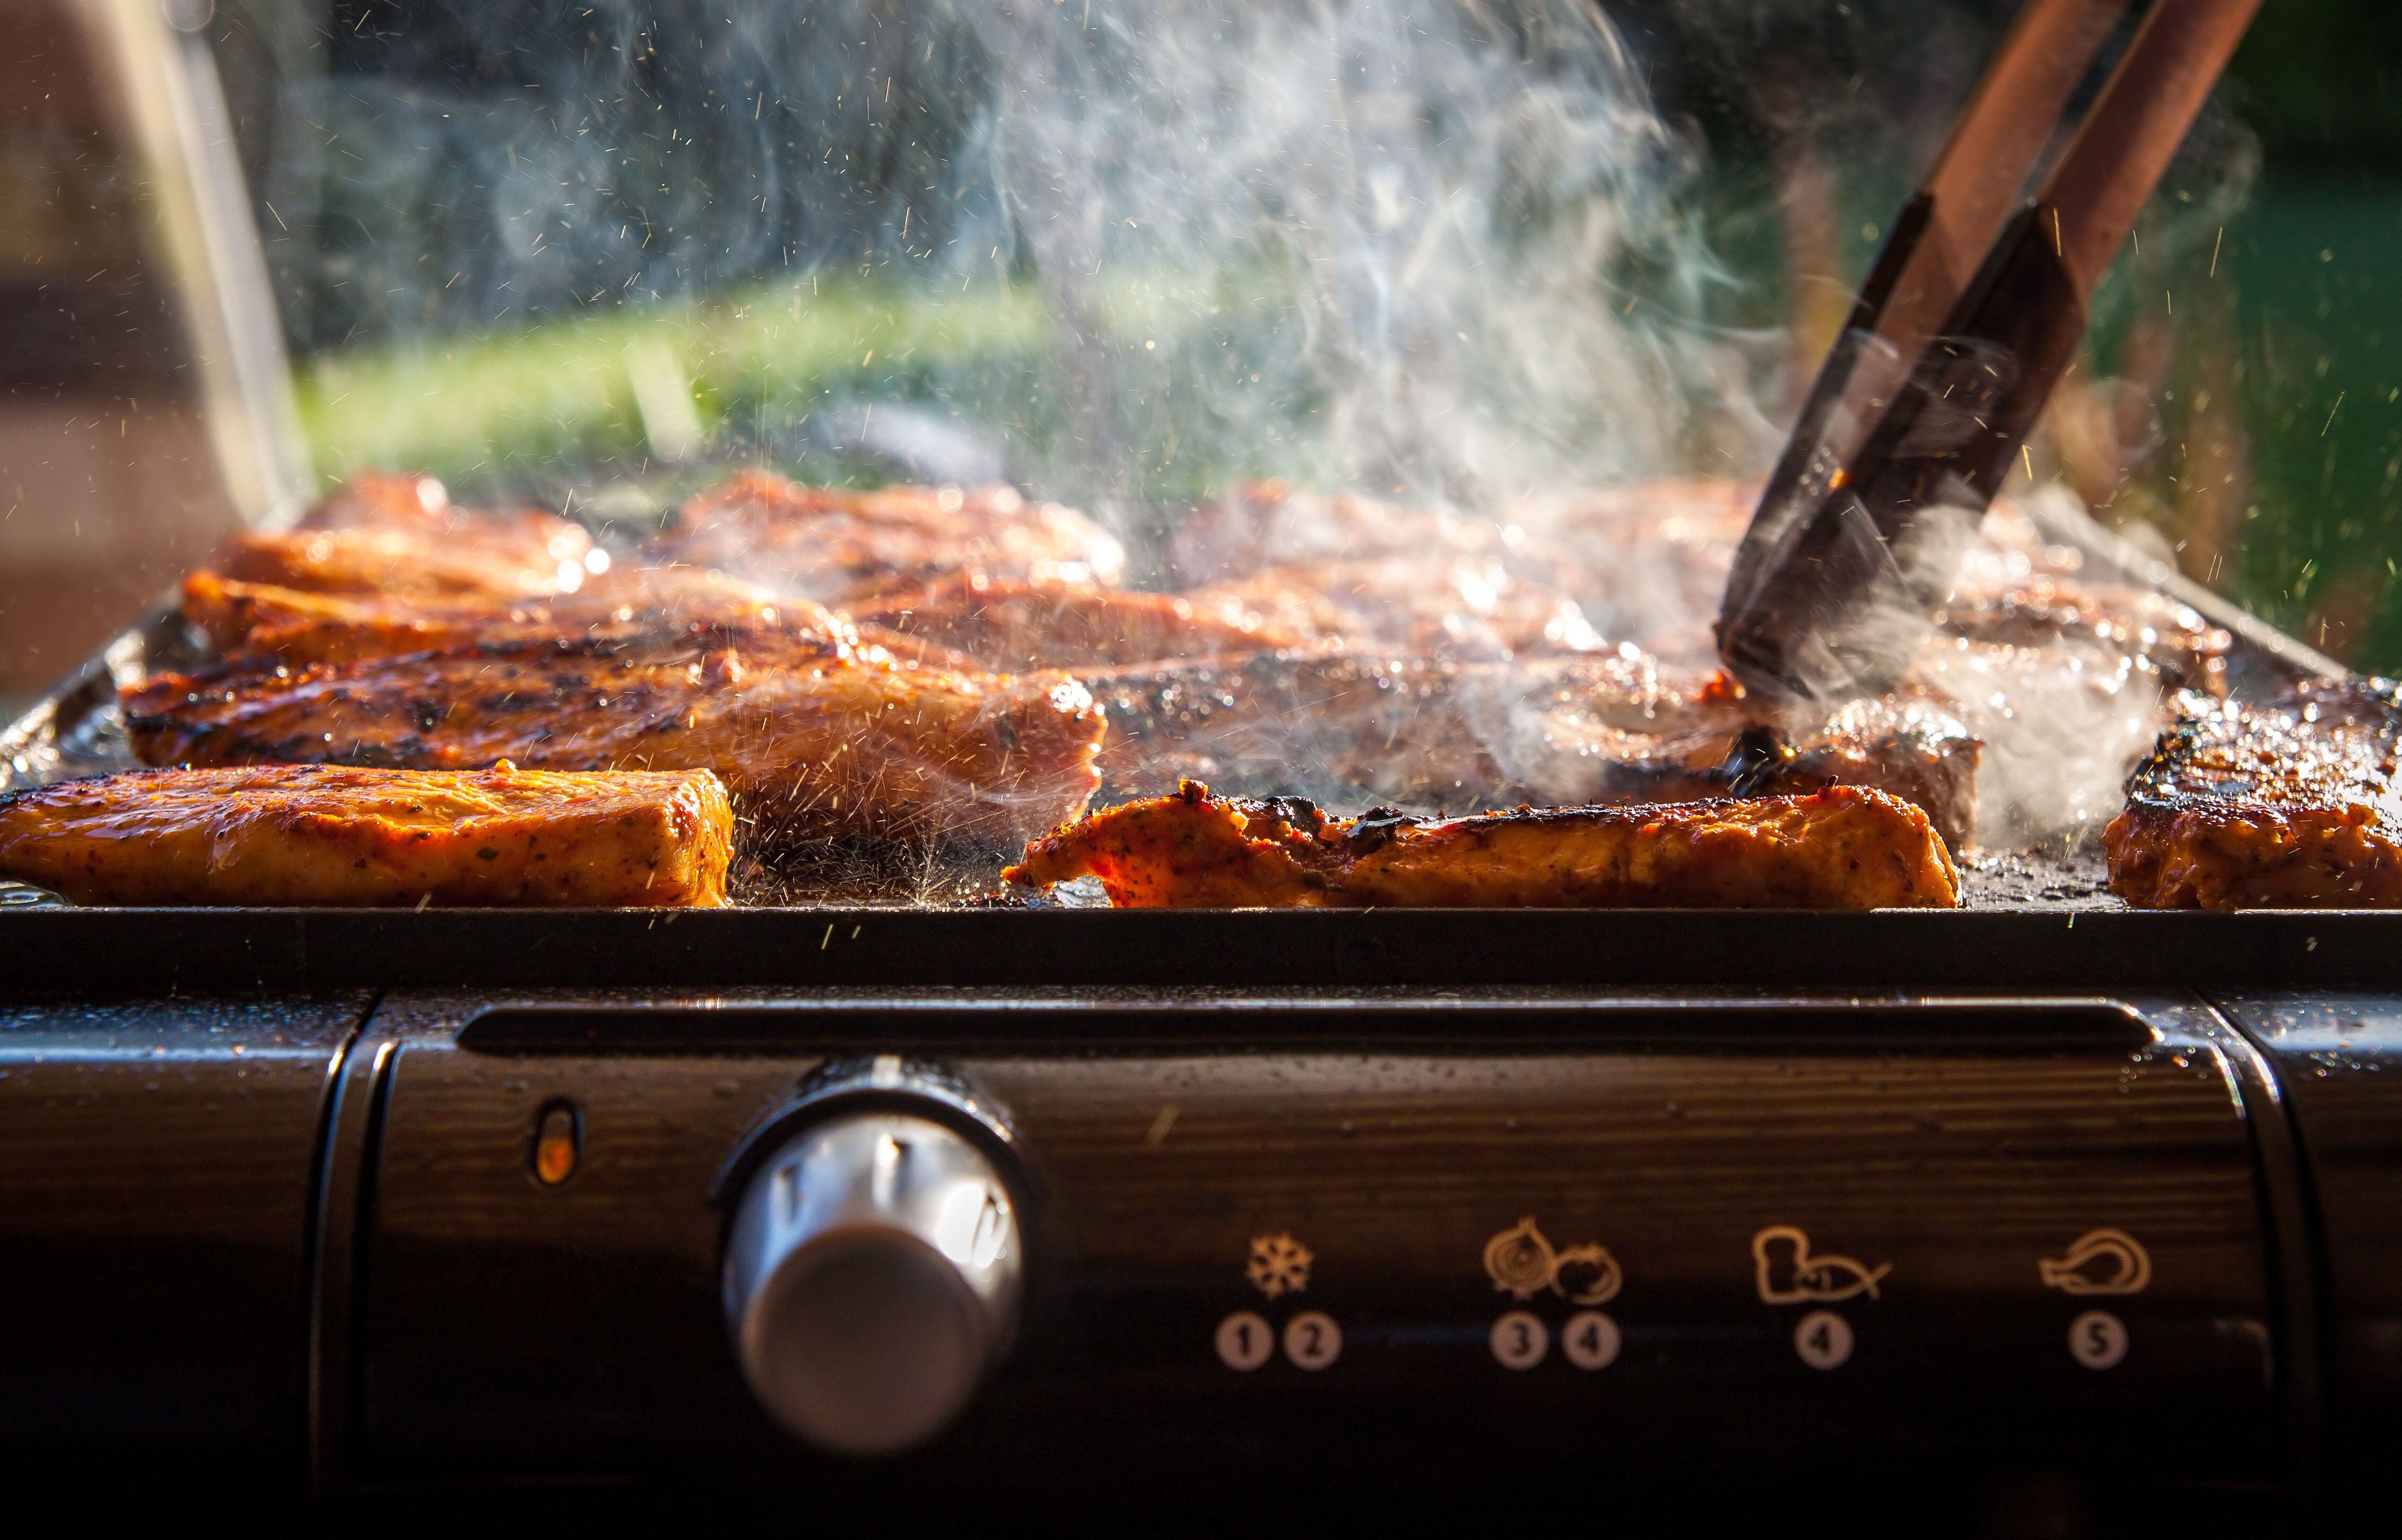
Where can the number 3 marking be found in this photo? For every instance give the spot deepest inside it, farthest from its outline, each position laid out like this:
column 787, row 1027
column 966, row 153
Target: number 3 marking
column 1520, row 1340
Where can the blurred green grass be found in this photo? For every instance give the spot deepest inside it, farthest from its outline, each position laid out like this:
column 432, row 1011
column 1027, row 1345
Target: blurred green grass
column 593, row 394
column 562, row 392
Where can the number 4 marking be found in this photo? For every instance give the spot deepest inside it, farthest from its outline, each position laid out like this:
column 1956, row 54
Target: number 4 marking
column 1824, row 1340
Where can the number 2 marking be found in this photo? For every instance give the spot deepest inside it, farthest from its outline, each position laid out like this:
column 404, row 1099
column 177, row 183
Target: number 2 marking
column 1312, row 1339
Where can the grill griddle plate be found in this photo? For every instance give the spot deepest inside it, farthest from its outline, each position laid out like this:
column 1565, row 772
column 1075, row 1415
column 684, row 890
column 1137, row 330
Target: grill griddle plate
column 77, row 731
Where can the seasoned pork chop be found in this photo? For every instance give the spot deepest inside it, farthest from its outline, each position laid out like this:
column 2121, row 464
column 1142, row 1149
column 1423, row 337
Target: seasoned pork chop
column 1840, row 848
column 325, row 834
column 834, row 744
column 2293, row 804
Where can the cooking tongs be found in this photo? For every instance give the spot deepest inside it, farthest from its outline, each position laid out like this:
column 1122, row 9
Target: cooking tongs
column 1970, row 314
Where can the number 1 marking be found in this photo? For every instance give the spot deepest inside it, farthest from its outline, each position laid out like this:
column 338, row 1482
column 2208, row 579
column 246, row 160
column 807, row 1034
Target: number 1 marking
column 1244, row 1340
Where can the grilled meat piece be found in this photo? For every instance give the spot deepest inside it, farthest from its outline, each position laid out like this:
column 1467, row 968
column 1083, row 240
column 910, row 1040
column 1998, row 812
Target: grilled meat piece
column 418, row 505
column 1267, row 524
column 2293, row 804
column 1427, row 603
column 830, row 744
column 1318, row 719
column 318, row 834
column 292, row 626
column 1646, row 562
column 825, row 544
column 382, row 500
column 1840, row 849
column 1430, row 734
column 2171, row 640
column 401, row 536
column 298, row 626
column 423, row 563
column 1616, row 729
column 1011, row 625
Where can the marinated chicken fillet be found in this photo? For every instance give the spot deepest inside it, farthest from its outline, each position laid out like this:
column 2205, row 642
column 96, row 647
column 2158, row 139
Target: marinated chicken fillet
column 839, row 747
column 827, row 544
column 320, row 834
column 2294, row 803
column 1840, row 848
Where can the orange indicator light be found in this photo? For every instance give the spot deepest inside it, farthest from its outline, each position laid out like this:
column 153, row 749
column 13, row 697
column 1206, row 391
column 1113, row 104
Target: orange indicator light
column 556, row 1143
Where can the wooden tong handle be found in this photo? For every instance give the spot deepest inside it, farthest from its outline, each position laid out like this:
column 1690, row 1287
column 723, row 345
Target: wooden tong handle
column 2133, row 132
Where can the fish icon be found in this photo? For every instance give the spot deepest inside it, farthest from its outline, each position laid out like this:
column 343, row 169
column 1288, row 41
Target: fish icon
column 2101, row 1261
column 1788, row 1274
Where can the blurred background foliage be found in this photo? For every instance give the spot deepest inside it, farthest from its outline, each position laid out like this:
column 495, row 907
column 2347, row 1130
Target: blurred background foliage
column 871, row 312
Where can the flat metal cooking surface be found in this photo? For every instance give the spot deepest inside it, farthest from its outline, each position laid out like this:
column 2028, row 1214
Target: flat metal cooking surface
column 77, row 731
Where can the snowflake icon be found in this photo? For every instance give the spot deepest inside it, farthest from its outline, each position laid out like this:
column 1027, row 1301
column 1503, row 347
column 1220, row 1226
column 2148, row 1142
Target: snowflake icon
column 1280, row 1265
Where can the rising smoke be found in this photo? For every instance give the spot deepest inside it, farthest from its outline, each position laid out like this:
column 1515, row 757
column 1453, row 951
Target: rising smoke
column 1438, row 246
column 1456, row 227
column 1441, row 251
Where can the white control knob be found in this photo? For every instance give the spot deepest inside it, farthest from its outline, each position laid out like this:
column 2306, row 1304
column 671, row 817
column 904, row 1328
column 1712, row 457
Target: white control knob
column 872, row 1280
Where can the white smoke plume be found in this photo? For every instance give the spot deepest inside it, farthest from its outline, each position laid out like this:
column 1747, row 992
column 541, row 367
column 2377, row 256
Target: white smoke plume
column 1443, row 240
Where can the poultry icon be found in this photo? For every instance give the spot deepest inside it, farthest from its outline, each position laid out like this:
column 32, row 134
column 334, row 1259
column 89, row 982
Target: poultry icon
column 1521, row 1262
column 2102, row 1261
column 1788, row 1274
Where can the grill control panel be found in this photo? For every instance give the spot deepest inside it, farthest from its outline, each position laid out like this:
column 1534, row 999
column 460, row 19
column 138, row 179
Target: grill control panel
column 1835, row 1231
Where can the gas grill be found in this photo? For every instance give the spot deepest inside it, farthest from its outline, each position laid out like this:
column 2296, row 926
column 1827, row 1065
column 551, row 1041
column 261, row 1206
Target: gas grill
column 877, row 1195
column 381, row 1198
